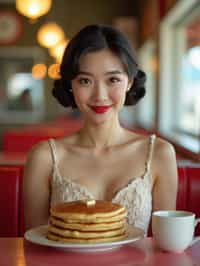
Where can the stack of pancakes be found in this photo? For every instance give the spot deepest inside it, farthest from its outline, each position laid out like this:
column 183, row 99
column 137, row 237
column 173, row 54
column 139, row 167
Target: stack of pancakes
column 87, row 221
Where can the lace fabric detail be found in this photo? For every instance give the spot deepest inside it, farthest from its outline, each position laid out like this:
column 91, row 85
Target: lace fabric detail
column 136, row 197
column 137, row 200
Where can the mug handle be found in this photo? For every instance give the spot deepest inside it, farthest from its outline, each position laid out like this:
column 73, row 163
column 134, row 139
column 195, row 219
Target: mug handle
column 196, row 239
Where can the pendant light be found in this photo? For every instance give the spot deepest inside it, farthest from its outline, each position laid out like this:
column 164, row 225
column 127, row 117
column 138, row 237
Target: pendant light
column 57, row 51
column 33, row 9
column 50, row 34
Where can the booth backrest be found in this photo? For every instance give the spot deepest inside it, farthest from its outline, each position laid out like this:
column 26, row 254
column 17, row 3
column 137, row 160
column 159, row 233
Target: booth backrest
column 11, row 201
column 188, row 197
column 181, row 203
column 22, row 140
column 193, row 190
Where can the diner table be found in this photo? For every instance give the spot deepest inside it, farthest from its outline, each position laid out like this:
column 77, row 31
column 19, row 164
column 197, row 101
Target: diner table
column 20, row 252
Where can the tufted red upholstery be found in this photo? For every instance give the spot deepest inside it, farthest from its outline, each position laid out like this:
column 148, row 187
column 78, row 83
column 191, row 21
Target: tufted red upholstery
column 9, row 200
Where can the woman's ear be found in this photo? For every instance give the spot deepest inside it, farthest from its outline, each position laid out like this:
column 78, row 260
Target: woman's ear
column 130, row 84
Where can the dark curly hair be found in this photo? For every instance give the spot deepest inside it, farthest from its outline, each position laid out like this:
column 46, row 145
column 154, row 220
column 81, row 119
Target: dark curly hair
column 94, row 38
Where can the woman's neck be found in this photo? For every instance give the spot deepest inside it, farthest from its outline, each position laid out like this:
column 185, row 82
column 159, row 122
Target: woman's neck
column 101, row 136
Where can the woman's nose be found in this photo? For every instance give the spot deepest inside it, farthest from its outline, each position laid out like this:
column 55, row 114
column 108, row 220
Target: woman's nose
column 100, row 91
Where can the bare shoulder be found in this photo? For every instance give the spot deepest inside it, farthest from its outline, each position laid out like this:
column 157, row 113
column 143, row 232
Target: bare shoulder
column 39, row 151
column 39, row 158
column 163, row 150
column 36, row 185
column 164, row 159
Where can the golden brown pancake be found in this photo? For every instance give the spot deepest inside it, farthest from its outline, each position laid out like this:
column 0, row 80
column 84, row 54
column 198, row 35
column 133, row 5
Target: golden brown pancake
column 87, row 221
column 80, row 211
column 85, row 234
column 90, row 226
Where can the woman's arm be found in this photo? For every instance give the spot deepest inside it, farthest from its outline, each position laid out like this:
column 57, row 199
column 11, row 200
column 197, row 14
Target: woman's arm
column 166, row 180
column 36, row 186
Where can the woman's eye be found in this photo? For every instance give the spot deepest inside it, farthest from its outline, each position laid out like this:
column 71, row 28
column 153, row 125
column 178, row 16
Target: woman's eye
column 114, row 80
column 84, row 81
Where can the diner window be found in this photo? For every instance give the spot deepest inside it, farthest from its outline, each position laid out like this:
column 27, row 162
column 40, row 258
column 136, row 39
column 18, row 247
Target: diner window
column 189, row 92
column 21, row 95
column 180, row 75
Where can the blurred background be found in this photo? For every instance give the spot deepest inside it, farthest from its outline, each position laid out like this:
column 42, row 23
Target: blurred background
column 33, row 36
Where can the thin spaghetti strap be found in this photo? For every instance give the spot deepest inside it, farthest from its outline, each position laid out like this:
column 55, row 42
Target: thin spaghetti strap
column 150, row 153
column 54, row 157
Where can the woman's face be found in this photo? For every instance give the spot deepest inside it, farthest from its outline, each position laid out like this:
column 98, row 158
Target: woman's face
column 100, row 87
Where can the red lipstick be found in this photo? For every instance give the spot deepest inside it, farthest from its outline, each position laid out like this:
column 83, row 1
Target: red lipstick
column 100, row 109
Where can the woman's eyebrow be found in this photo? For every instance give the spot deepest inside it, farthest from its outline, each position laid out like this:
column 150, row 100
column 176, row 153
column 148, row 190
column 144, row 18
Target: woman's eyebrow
column 114, row 72
column 85, row 73
column 106, row 73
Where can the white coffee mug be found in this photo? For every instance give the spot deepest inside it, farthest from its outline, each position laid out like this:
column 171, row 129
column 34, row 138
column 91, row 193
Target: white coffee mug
column 174, row 230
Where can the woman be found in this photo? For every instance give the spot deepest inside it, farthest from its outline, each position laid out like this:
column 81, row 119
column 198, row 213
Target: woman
column 99, row 74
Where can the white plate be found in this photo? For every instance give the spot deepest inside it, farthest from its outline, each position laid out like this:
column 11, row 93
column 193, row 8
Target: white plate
column 38, row 236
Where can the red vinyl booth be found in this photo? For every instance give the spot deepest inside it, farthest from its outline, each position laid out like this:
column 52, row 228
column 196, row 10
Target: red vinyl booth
column 21, row 140
column 11, row 201
column 193, row 192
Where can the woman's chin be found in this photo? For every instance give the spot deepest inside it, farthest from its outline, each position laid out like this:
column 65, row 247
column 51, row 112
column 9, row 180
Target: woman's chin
column 98, row 119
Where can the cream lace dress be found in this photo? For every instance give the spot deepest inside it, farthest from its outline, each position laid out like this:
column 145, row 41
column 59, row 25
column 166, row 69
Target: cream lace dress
column 136, row 196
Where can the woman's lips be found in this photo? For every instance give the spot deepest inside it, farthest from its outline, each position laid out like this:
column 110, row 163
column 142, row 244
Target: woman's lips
column 100, row 109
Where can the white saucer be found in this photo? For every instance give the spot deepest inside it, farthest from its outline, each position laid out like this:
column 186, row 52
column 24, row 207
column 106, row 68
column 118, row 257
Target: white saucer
column 38, row 236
